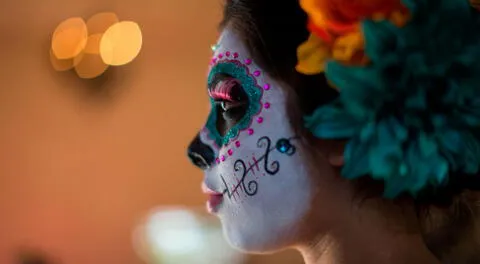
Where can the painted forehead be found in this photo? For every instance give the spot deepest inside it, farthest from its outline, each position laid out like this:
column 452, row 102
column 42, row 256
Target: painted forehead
column 230, row 48
column 232, row 58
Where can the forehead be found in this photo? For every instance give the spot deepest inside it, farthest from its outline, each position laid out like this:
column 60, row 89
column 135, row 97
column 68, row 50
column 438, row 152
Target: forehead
column 230, row 41
column 231, row 56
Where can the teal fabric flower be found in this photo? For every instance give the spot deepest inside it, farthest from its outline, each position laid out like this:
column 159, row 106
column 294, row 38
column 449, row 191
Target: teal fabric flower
column 412, row 116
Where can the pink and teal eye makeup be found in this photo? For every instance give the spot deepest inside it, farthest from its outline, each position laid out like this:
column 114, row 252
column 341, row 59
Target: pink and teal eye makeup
column 231, row 86
column 227, row 89
column 228, row 93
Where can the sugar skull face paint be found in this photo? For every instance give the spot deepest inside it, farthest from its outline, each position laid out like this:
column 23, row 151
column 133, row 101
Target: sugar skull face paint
column 258, row 177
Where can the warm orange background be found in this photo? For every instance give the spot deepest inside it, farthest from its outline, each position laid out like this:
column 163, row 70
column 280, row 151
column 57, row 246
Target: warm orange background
column 81, row 162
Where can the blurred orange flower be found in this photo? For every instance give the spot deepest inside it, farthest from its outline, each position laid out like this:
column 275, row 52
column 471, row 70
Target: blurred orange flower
column 336, row 23
column 338, row 17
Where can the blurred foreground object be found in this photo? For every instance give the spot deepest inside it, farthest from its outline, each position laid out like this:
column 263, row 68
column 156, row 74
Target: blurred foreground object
column 181, row 235
column 91, row 47
column 33, row 257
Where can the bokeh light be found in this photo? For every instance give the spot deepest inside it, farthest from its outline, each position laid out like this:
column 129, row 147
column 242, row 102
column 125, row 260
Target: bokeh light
column 89, row 64
column 91, row 47
column 121, row 43
column 69, row 38
column 99, row 23
column 182, row 235
column 60, row 65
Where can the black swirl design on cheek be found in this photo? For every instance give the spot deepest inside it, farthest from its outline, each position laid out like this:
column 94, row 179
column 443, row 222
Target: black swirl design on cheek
column 270, row 168
column 252, row 187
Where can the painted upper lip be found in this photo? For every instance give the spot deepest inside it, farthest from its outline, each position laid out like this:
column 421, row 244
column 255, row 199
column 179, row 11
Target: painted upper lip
column 209, row 191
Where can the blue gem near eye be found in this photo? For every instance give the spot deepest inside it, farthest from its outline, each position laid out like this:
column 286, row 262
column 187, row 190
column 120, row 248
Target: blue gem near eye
column 284, row 146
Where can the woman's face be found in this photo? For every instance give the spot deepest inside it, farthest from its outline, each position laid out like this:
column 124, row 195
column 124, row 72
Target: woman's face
column 256, row 170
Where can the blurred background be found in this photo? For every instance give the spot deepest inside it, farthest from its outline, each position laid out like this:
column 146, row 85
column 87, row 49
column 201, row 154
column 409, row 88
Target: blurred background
column 94, row 171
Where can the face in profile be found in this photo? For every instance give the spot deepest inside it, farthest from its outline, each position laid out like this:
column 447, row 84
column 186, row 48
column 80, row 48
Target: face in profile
column 255, row 168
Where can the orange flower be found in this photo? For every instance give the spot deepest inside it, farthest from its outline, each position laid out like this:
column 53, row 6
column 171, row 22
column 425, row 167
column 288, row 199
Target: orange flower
column 312, row 55
column 335, row 28
column 338, row 17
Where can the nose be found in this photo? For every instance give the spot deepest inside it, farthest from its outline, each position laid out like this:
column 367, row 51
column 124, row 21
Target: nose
column 200, row 154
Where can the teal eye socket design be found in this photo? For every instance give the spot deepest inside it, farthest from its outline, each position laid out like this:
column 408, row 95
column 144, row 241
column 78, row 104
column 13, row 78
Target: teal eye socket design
column 247, row 82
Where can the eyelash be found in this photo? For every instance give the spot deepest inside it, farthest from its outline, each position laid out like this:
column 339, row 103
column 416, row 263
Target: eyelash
column 225, row 89
column 223, row 94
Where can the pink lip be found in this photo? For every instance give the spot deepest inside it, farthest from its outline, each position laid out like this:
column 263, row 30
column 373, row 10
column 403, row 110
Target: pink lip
column 215, row 199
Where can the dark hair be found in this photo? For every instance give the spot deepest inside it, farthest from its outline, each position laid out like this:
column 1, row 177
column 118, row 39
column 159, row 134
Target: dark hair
column 272, row 30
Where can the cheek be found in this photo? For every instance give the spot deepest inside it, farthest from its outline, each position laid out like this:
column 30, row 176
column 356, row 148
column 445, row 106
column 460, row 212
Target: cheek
column 261, row 155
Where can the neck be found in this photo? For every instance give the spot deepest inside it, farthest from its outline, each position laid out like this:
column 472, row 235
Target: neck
column 366, row 236
column 335, row 249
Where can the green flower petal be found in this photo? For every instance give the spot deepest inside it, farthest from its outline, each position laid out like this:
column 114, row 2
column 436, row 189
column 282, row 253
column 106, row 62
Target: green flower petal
column 413, row 114
column 331, row 121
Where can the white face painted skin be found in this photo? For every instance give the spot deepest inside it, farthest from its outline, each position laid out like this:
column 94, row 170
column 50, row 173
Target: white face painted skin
column 261, row 169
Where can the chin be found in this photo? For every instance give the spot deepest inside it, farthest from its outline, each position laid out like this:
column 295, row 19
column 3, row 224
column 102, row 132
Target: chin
column 254, row 240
